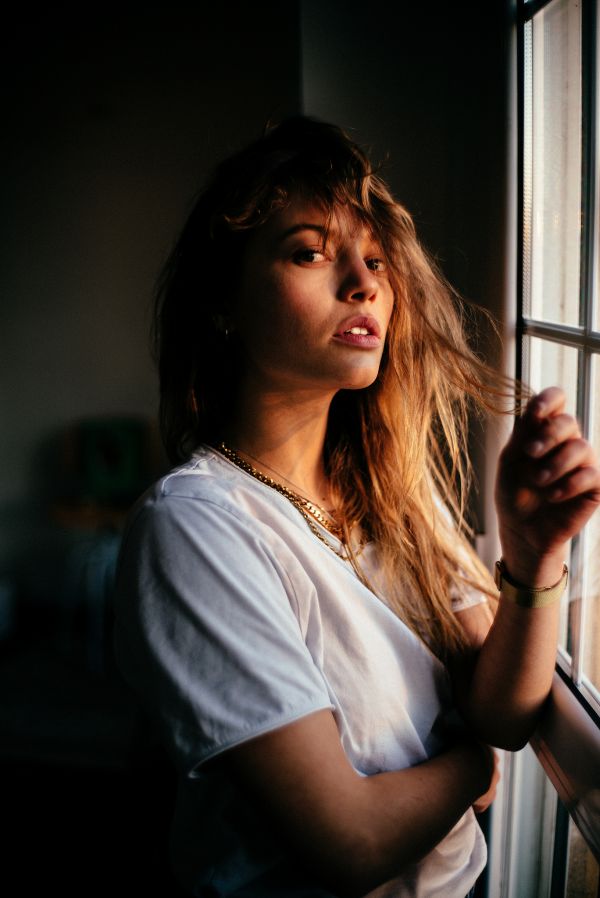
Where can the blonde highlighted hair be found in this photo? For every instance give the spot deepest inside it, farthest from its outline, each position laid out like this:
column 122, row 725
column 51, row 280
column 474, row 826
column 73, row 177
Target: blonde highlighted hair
column 395, row 451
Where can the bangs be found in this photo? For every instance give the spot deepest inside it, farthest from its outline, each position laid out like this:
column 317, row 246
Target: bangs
column 332, row 173
column 307, row 160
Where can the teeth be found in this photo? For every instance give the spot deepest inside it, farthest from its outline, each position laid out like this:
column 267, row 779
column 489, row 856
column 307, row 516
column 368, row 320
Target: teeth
column 358, row 330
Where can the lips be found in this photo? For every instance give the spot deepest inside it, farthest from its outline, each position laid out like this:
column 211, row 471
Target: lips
column 361, row 331
column 361, row 323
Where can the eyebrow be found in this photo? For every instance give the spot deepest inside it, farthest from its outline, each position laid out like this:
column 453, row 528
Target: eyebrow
column 304, row 226
column 325, row 232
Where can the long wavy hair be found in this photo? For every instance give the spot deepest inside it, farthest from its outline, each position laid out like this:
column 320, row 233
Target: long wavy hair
column 396, row 452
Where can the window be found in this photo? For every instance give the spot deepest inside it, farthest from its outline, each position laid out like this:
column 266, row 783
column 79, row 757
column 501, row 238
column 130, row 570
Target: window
column 559, row 342
column 560, row 316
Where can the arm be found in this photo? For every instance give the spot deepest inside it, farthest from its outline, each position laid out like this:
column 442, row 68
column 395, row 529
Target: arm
column 548, row 486
column 357, row 832
column 215, row 668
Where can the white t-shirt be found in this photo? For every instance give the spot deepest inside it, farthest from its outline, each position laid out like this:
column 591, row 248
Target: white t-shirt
column 233, row 619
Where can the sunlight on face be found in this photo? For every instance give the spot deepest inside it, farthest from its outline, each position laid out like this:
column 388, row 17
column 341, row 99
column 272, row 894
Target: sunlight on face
column 314, row 304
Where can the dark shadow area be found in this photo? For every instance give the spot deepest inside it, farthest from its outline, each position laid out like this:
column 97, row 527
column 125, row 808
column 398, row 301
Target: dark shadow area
column 112, row 118
column 86, row 788
column 87, row 796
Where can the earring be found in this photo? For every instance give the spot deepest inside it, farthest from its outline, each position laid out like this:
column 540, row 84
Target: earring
column 222, row 326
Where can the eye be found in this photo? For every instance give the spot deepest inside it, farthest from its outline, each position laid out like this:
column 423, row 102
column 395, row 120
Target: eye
column 309, row 255
column 376, row 264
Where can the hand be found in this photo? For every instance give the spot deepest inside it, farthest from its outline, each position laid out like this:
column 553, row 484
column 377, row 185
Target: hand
column 547, row 487
column 485, row 800
column 483, row 762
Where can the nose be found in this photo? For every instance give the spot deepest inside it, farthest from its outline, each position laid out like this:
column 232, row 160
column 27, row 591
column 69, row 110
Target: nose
column 358, row 282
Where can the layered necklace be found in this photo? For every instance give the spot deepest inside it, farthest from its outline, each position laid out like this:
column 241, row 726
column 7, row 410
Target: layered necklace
column 309, row 510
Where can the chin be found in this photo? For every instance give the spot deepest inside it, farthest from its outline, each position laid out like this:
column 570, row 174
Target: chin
column 360, row 380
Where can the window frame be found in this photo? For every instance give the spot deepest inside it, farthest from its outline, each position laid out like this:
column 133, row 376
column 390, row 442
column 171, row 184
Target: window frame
column 567, row 743
column 582, row 337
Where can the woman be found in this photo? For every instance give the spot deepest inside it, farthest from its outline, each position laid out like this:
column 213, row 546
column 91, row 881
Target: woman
column 298, row 602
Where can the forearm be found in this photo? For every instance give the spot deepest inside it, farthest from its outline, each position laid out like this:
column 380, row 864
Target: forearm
column 513, row 672
column 548, row 486
column 405, row 814
column 355, row 832
column 512, row 675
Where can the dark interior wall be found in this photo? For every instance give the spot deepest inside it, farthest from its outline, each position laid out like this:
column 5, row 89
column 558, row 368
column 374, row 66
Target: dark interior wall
column 111, row 118
column 425, row 86
column 111, row 121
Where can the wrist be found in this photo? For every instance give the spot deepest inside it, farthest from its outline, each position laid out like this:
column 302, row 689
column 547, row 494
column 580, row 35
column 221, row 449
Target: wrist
column 538, row 574
column 526, row 596
column 530, row 568
column 480, row 762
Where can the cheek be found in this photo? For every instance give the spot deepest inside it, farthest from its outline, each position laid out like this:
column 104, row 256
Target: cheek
column 291, row 329
column 395, row 316
column 290, row 304
column 390, row 303
column 271, row 317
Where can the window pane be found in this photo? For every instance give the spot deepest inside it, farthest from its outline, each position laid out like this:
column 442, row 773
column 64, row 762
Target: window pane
column 582, row 867
column 591, row 620
column 552, row 364
column 552, row 163
column 547, row 364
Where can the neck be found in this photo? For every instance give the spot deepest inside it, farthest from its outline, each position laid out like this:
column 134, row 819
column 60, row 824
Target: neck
column 282, row 433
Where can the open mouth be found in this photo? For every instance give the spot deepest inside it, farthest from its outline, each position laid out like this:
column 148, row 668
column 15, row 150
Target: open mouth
column 361, row 330
column 358, row 330
column 359, row 326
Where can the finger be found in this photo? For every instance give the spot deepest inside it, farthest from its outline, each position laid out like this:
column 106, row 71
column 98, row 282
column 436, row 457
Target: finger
column 568, row 456
column 484, row 801
column 540, row 408
column 550, row 433
column 583, row 482
column 548, row 402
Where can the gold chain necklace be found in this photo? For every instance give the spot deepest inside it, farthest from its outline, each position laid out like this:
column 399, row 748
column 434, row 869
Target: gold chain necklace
column 329, row 515
column 307, row 509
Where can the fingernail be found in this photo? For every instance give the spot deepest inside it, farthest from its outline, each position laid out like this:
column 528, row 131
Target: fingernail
column 557, row 493
column 535, row 448
column 543, row 475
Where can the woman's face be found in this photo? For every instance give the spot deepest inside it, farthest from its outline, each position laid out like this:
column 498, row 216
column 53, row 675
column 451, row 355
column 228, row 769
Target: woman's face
column 311, row 314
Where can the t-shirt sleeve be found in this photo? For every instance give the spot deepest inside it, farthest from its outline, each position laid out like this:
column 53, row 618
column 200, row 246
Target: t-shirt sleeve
column 205, row 631
column 467, row 598
column 463, row 596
